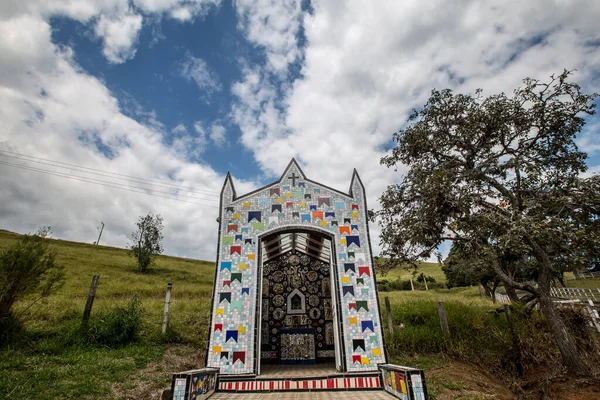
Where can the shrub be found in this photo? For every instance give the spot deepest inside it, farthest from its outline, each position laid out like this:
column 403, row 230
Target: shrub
column 400, row 285
column 117, row 326
column 422, row 277
column 27, row 269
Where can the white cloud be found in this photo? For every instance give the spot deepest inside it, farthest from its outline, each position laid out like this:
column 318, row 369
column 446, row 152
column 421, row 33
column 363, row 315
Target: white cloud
column 195, row 69
column 273, row 25
column 52, row 109
column 117, row 25
column 119, row 34
column 180, row 128
column 182, row 13
column 175, row 7
column 364, row 68
column 218, row 134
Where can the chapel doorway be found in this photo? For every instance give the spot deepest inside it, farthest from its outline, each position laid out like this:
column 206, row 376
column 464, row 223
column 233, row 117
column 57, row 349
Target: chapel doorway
column 299, row 322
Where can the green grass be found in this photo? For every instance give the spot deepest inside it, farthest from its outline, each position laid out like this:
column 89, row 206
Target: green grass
column 429, row 269
column 45, row 363
column 584, row 283
column 475, row 335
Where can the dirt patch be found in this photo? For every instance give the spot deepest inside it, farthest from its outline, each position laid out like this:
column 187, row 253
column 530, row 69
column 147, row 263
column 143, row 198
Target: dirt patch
column 459, row 380
column 562, row 387
column 452, row 381
column 149, row 382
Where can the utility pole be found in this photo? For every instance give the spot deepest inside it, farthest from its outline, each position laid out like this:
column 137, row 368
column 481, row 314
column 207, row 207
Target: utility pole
column 98, row 241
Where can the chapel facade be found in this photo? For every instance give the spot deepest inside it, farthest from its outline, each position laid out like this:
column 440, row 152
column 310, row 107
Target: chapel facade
column 294, row 280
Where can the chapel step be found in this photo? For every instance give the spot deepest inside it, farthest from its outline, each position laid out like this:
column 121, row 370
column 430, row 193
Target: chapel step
column 338, row 382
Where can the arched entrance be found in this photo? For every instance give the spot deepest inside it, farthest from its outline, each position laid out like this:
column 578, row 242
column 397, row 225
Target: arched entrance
column 298, row 320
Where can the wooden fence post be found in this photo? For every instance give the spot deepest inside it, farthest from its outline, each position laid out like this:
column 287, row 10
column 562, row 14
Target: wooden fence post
column 388, row 310
column 412, row 287
column 165, row 323
column 90, row 301
column 443, row 320
column 516, row 343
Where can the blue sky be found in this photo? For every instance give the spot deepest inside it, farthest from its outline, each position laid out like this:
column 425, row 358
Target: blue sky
column 181, row 91
column 153, row 80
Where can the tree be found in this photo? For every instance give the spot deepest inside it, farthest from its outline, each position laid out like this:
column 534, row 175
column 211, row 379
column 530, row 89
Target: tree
column 502, row 176
column 27, row 269
column 466, row 266
column 462, row 268
column 147, row 240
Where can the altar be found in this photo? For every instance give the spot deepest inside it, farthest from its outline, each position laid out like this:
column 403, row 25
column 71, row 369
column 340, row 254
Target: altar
column 297, row 347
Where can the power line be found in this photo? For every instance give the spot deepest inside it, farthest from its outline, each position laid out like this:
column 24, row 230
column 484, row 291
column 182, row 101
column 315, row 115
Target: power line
column 95, row 171
column 99, row 180
column 101, row 183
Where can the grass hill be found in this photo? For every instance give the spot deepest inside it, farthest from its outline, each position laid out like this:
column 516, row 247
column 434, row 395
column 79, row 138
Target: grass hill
column 44, row 362
column 44, row 365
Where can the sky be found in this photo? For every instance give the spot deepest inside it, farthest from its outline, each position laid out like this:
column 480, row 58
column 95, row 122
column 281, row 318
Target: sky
column 175, row 94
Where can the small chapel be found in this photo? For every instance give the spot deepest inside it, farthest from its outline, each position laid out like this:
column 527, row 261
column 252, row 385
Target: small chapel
column 294, row 281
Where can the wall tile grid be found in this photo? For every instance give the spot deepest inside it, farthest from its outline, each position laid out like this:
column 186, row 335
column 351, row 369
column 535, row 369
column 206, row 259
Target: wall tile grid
column 293, row 202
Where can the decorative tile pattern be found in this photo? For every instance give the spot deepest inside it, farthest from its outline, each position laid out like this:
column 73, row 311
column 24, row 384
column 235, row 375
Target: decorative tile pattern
column 197, row 384
column 403, row 382
column 341, row 383
column 294, row 202
column 326, row 395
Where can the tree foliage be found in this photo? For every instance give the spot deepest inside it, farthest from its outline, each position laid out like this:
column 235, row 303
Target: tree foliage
column 501, row 175
column 28, row 270
column 147, row 240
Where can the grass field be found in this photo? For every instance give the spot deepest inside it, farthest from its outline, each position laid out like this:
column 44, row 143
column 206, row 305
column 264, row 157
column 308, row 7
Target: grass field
column 43, row 362
column 40, row 365
column 429, row 269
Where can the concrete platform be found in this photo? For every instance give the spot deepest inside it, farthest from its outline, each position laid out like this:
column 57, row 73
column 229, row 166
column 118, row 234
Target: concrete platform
column 297, row 371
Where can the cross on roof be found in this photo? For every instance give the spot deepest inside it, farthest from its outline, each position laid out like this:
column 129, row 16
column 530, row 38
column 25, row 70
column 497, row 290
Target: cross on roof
column 293, row 178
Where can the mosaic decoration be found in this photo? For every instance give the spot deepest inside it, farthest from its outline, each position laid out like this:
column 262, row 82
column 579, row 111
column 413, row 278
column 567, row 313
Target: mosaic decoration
column 311, row 384
column 293, row 203
column 197, row 384
column 403, row 382
column 297, row 346
column 292, row 274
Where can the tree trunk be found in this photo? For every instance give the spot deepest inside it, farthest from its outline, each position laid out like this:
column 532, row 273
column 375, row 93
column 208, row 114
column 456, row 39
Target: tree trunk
column 493, row 290
column 140, row 268
column 568, row 350
column 488, row 293
column 511, row 293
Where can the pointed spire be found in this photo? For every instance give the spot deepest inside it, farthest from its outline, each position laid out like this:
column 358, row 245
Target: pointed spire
column 356, row 185
column 228, row 191
column 292, row 174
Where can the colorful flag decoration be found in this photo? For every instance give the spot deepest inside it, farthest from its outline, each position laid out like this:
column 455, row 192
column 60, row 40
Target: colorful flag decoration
column 356, row 344
column 225, row 297
column 367, row 325
column 239, row 356
column 353, row 240
column 233, row 334
column 225, row 265
column 257, row 215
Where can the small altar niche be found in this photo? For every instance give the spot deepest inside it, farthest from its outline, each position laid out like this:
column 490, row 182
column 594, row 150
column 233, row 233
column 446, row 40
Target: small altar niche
column 296, row 303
